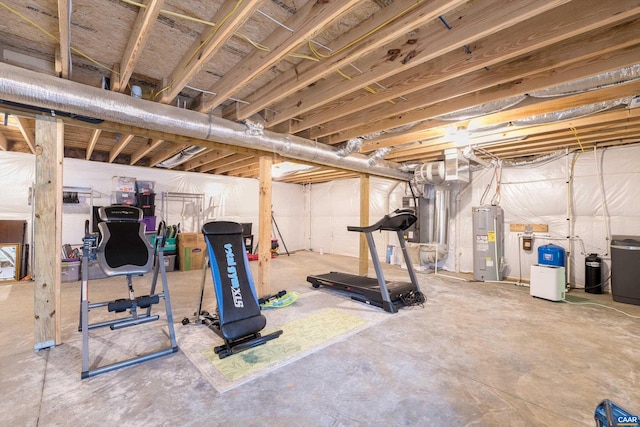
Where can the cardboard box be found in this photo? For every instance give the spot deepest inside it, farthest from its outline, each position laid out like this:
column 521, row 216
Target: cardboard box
column 191, row 251
column 191, row 239
column 191, row 258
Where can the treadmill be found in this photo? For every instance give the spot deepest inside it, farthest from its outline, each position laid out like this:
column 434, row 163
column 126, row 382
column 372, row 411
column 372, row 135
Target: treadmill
column 377, row 291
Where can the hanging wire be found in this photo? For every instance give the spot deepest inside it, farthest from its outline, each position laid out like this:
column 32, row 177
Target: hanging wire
column 168, row 12
column 74, row 50
column 203, row 43
column 369, row 33
column 575, row 133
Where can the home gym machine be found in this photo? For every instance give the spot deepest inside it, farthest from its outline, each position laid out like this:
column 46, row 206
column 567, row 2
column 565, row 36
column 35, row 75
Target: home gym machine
column 123, row 250
column 237, row 317
column 377, row 291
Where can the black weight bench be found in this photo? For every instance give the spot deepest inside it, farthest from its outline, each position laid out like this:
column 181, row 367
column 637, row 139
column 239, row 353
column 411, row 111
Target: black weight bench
column 123, row 250
column 237, row 319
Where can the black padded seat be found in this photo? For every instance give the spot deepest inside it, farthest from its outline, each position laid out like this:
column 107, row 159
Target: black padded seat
column 123, row 247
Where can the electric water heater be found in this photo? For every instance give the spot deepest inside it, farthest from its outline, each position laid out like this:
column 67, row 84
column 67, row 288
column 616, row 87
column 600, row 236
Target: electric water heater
column 488, row 243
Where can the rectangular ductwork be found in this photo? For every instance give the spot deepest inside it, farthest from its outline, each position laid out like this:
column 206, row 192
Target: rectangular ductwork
column 456, row 166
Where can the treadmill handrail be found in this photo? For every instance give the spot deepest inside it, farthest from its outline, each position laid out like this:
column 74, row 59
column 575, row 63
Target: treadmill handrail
column 400, row 219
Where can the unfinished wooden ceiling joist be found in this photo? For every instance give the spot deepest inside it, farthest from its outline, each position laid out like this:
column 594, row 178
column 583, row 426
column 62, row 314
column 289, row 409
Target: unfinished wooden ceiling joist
column 332, row 71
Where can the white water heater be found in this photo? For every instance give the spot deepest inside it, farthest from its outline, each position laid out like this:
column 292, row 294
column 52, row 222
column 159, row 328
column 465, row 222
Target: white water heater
column 488, row 243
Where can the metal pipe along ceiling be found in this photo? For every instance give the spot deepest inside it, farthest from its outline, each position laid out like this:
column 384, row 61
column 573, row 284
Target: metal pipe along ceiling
column 39, row 90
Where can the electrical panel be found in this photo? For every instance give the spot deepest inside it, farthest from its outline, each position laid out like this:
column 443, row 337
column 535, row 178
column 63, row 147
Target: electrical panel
column 488, row 243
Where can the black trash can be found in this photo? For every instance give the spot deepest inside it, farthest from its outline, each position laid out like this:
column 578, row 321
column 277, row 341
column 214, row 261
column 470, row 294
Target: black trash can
column 625, row 269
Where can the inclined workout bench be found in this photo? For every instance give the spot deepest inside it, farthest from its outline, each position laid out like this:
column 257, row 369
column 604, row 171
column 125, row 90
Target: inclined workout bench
column 237, row 319
column 123, row 250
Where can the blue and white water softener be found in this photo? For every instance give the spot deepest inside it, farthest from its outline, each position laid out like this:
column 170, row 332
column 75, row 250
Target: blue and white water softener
column 488, row 243
column 552, row 255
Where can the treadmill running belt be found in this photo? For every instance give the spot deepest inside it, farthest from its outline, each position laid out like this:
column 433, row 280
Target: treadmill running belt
column 349, row 279
column 366, row 286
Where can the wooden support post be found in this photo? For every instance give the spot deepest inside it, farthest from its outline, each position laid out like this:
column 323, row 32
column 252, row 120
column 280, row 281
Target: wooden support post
column 264, row 228
column 363, row 264
column 4, row 145
column 48, row 230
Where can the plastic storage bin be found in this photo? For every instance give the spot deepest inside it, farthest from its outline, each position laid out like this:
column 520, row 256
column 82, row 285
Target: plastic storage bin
column 145, row 186
column 124, row 197
column 150, row 222
column 70, row 271
column 551, row 255
column 169, row 262
column 123, row 183
column 169, row 245
column 625, row 269
column 145, row 200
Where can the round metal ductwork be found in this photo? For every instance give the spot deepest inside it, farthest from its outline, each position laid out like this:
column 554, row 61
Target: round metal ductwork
column 430, row 173
column 38, row 90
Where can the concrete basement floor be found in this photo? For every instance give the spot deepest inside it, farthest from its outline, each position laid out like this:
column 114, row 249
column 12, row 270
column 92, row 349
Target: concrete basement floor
column 476, row 354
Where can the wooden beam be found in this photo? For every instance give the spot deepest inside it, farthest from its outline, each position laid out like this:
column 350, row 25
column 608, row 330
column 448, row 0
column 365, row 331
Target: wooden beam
column 163, row 155
column 264, row 228
column 138, row 38
column 481, row 19
column 371, row 112
column 305, row 23
column 44, row 66
column 4, row 144
column 48, row 231
column 228, row 18
column 536, row 228
column 24, row 125
column 92, row 142
column 363, row 258
column 591, row 128
column 241, row 162
column 175, row 139
column 64, row 28
column 117, row 149
column 252, row 169
column 438, row 128
column 222, row 160
column 253, row 173
column 206, row 157
column 145, row 149
column 318, row 173
column 380, row 29
column 555, row 105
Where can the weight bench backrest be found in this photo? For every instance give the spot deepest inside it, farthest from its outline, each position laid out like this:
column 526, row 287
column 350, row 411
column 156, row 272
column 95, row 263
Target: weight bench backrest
column 235, row 292
column 123, row 247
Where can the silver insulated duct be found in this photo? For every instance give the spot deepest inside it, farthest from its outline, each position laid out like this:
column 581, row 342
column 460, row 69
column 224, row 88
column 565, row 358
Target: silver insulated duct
column 434, row 223
column 39, row 90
